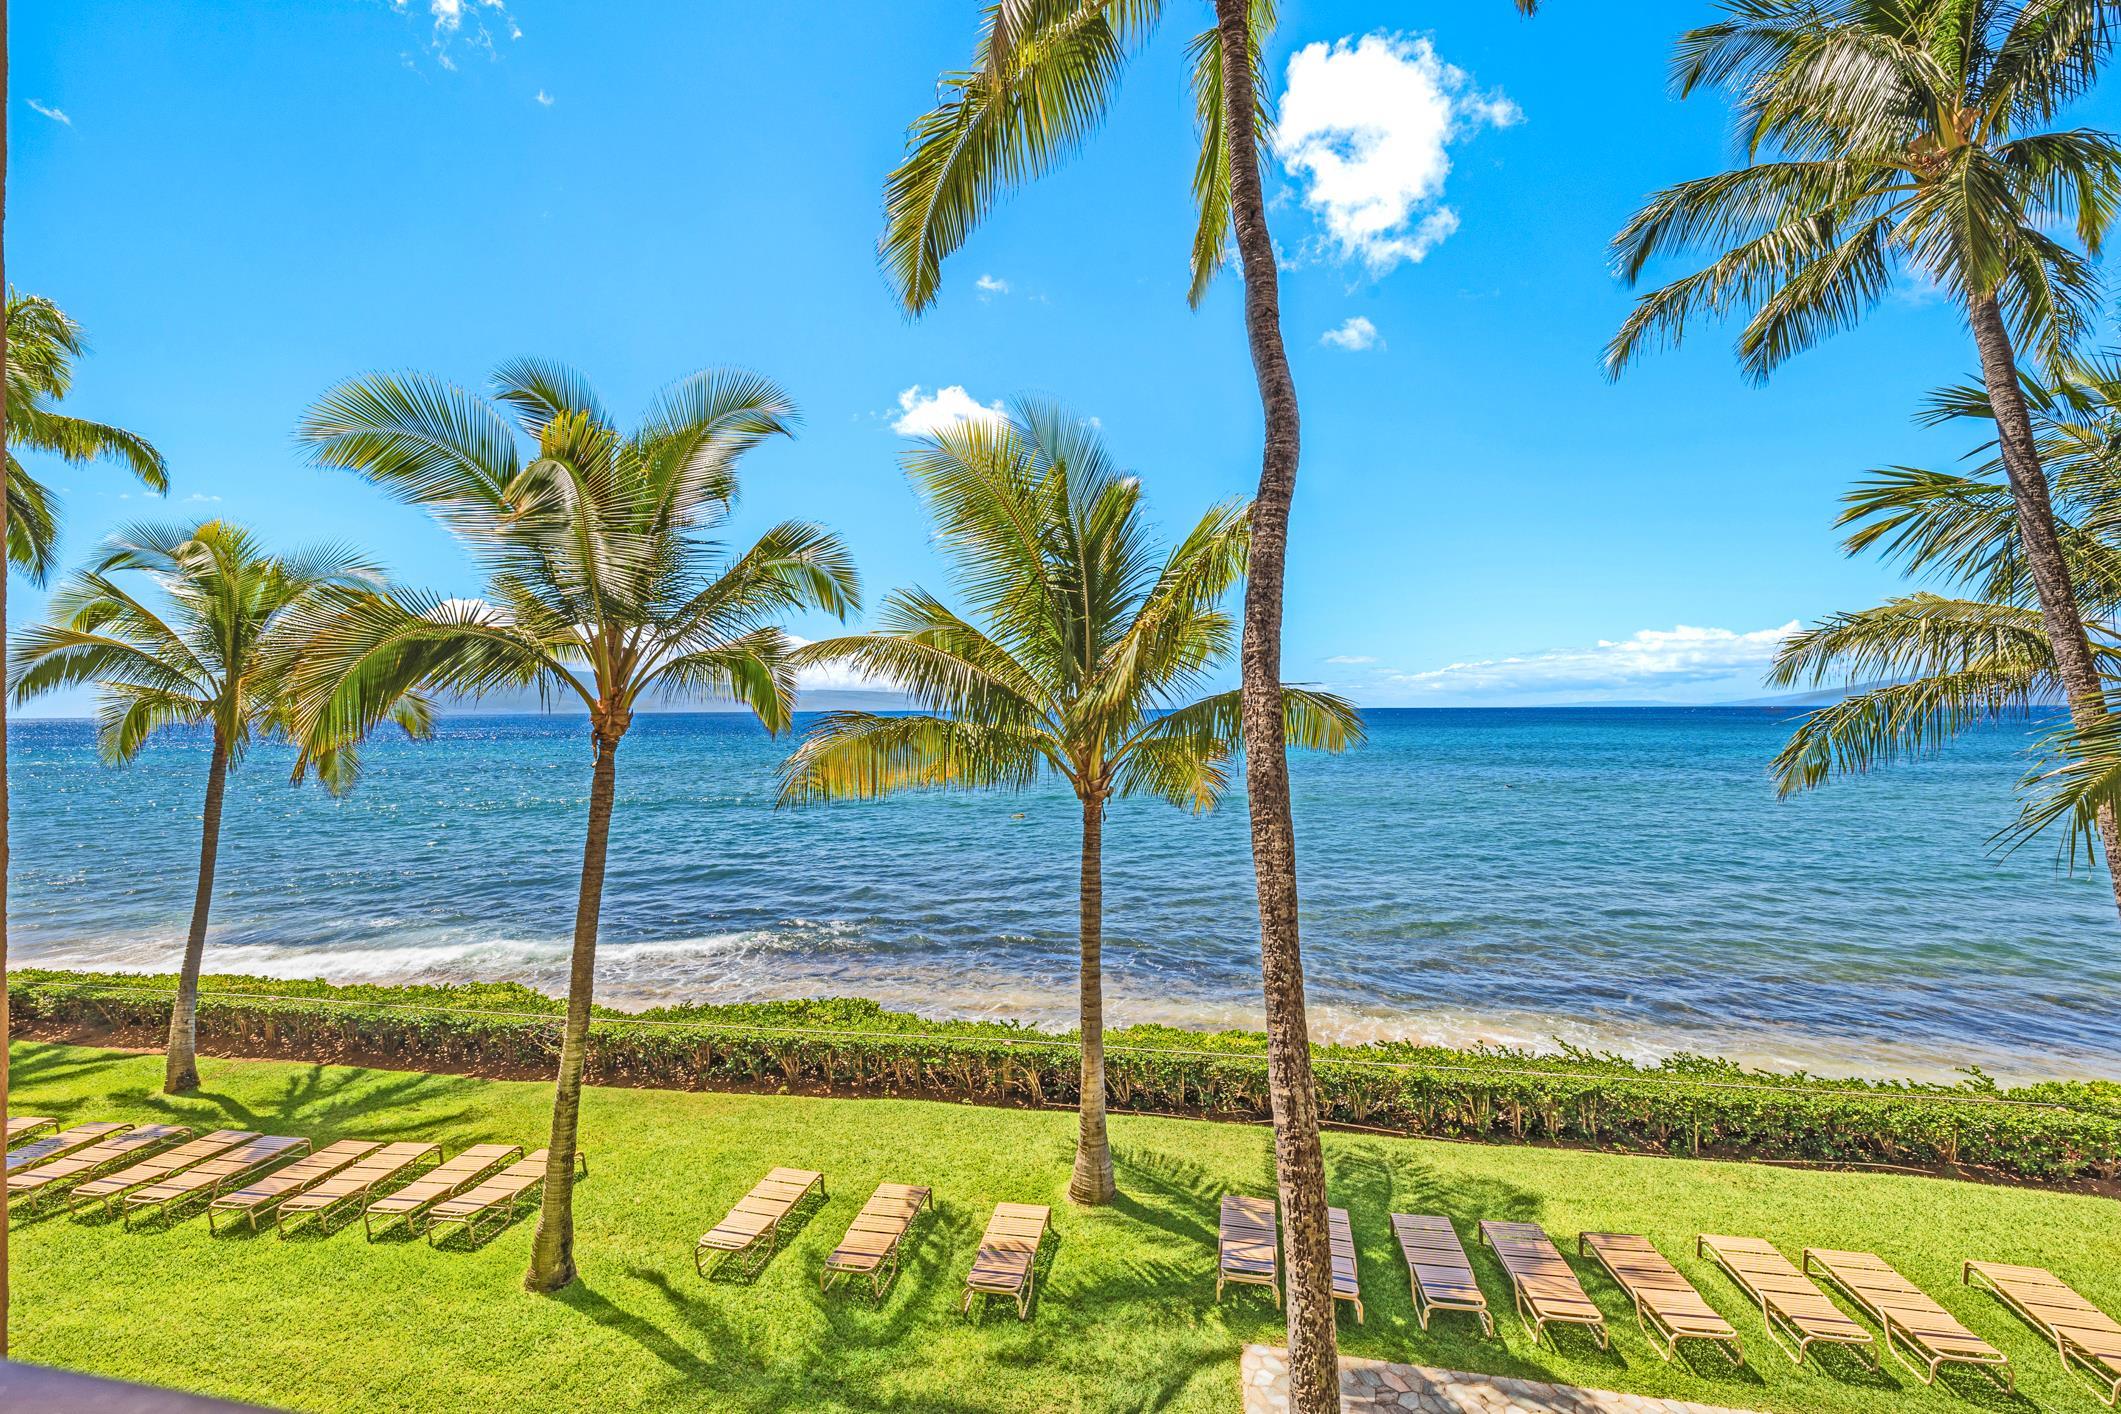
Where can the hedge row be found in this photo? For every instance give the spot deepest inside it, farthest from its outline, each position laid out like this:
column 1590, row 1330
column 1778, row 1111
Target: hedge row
column 1689, row 1105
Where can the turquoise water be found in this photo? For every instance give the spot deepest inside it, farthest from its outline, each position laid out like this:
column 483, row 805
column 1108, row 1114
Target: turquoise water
column 1617, row 878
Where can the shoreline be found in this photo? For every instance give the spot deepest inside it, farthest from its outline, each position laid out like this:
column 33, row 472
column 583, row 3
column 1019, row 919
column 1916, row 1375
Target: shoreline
column 946, row 994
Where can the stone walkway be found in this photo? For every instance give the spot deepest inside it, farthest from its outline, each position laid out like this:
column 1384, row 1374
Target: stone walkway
column 1380, row 1387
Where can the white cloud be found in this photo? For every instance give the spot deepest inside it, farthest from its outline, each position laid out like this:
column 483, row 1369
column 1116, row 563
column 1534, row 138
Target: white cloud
column 1350, row 660
column 199, row 499
column 1653, row 662
column 925, row 414
column 544, row 99
column 57, row 115
column 1364, row 128
column 836, row 676
column 468, row 22
column 1354, row 335
column 989, row 286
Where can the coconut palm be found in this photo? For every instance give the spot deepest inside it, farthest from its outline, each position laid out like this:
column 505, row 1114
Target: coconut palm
column 1042, row 75
column 1903, row 138
column 1927, row 665
column 205, row 646
column 602, row 586
column 42, row 344
column 1087, row 642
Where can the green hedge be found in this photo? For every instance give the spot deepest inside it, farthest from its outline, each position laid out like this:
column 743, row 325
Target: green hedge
column 2057, row 1133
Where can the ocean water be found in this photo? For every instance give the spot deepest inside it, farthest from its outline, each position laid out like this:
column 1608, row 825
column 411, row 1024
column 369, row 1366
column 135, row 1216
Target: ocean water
column 1622, row 879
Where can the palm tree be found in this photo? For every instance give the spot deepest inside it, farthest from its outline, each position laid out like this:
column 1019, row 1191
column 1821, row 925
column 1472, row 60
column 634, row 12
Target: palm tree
column 1903, row 137
column 214, row 655
column 6, row 1027
column 1042, row 75
column 42, row 344
column 1089, row 641
column 601, row 586
column 1925, row 666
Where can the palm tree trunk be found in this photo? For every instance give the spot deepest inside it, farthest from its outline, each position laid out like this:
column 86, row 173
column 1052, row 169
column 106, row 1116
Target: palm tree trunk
column 180, row 1072
column 1314, row 1367
column 1092, row 1181
column 4, row 1025
column 2043, row 547
column 552, row 1251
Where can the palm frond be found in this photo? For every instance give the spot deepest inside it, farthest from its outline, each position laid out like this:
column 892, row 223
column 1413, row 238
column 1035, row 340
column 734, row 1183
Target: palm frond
column 863, row 756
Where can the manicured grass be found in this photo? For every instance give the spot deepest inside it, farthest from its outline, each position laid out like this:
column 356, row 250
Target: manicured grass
column 1126, row 1319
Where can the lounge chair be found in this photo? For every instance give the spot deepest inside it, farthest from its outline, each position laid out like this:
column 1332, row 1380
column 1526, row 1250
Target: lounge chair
column 1666, row 1303
column 215, row 1176
column 1248, row 1245
column 21, row 1127
column 2081, row 1331
column 252, row 1199
column 1928, row 1332
column 1542, row 1280
column 1346, row 1284
column 106, row 1189
column 1438, row 1271
column 443, row 1181
column 752, row 1228
column 350, row 1185
column 57, row 1174
column 58, row 1146
column 1792, row 1306
column 873, row 1239
column 1007, row 1261
column 498, row 1199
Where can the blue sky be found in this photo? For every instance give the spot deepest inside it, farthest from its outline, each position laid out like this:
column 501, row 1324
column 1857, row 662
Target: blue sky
column 246, row 201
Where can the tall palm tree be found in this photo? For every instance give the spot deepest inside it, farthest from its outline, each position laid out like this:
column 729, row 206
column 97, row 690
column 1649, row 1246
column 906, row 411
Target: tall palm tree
column 1042, row 75
column 1088, row 641
column 208, row 648
column 1903, row 137
column 1925, row 666
column 602, row 585
column 42, row 344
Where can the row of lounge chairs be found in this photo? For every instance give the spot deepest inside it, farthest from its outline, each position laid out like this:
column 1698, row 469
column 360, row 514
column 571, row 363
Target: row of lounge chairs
column 240, row 1175
column 1797, row 1313
column 1005, row 1265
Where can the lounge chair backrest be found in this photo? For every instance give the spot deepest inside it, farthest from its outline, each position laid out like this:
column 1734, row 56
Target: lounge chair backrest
column 54, row 1146
column 224, row 1166
column 162, row 1165
column 19, row 1125
column 506, row 1185
column 443, row 1179
column 97, row 1155
column 303, row 1172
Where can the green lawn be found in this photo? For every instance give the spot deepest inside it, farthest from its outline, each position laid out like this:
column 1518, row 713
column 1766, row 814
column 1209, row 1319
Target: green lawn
column 1126, row 1319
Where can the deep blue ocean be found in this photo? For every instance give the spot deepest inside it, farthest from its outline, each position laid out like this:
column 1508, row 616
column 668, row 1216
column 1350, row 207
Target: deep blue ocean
column 1624, row 879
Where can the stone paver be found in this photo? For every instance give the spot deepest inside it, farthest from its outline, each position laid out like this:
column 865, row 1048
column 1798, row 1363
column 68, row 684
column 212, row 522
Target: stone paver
column 1380, row 1387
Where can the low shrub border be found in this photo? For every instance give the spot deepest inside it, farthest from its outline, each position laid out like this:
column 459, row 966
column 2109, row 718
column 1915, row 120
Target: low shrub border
column 2062, row 1134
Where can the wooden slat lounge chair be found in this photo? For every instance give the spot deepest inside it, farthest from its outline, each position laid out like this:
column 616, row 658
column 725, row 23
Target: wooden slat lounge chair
column 214, row 1177
column 103, row 1191
column 1542, row 1280
column 1666, row 1303
column 752, row 1228
column 1007, row 1261
column 1926, row 1331
column 1438, row 1271
column 1797, row 1314
column 871, row 1246
column 58, row 1174
column 498, row 1199
column 443, row 1181
column 1248, row 1245
column 1347, row 1285
column 254, row 1199
column 2081, row 1331
column 21, row 1127
column 58, row 1146
column 362, row 1179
